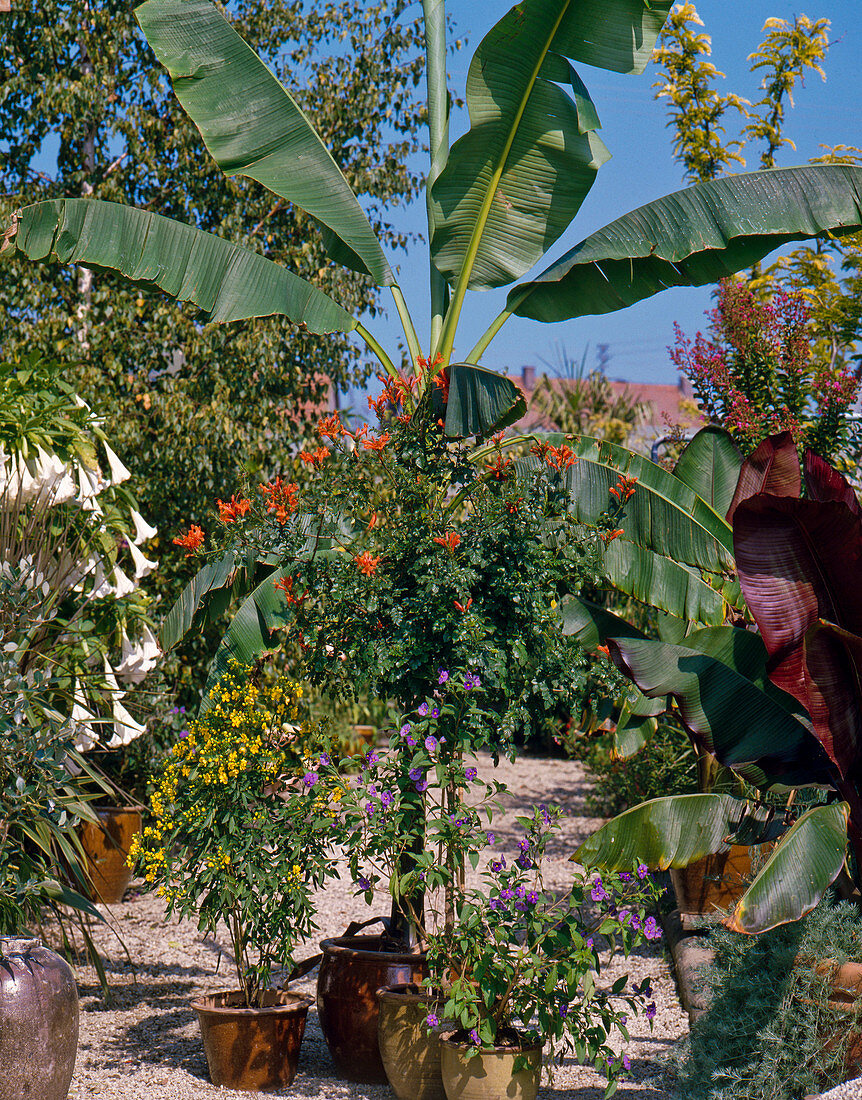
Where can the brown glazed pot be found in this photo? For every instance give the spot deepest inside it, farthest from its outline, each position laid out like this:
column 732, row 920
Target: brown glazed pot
column 410, row 1053
column 352, row 970
column 38, row 1022
column 716, row 882
column 107, row 846
column 252, row 1048
column 489, row 1075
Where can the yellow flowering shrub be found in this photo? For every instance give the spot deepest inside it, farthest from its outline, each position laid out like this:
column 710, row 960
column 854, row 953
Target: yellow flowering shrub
column 241, row 827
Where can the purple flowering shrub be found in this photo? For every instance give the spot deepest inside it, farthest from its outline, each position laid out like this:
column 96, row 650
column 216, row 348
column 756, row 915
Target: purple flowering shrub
column 526, row 961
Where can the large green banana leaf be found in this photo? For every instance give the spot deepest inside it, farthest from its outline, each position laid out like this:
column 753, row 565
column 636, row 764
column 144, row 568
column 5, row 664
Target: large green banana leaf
column 674, row 831
column 251, row 125
column 227, row 282
column 694, row 237
column 213, row 576
column 710, row 465
column 660, row 582
column 480, row 402
column 514, row 182
column 663, row 515
column 798, row 872
column 726, row 701
column 633, row 732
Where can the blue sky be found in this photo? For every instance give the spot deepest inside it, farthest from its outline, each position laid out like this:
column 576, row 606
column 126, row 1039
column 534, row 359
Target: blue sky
column 641, row 169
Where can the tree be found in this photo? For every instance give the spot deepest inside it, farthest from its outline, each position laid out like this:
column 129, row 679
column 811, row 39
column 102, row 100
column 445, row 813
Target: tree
column 192, row 406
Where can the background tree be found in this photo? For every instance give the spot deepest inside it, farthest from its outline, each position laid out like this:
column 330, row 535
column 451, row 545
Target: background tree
column 190, row 405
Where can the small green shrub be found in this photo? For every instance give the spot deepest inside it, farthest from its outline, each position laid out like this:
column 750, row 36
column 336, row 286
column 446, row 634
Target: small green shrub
column 765, row 1032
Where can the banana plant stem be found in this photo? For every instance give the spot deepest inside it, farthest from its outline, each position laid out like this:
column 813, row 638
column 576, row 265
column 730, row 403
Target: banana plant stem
column 491, row 331
column 438, row 126
column 406, row 324
column 387, row 363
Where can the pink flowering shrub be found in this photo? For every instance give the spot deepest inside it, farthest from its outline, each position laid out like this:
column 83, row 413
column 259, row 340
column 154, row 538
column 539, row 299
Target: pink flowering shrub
column 754, row 373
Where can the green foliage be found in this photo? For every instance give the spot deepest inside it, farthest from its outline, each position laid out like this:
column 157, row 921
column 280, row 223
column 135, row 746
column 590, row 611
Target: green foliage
column 519, row 963
column 586, row 404
column 239, row 835
column 769, row 1033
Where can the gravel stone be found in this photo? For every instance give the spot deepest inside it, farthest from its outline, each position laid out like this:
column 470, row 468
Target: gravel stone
column 145, row 1043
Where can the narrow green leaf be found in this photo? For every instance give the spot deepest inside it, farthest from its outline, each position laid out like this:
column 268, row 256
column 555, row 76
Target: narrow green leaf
column 227, row 282
column 797, row 874
column 252, row 126
column 694, row 237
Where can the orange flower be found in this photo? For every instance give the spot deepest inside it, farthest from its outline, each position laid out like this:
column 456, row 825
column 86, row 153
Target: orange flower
column 191, row 540
column 561, row 457
column 604, row 650
column 373, row 521
column 424, row 364
column 234, row 510
column 462, row 607
column 500, row 468
column 450, row 541
column 609, row 536
column 376, row 444
column 540, row 449
column 624, row 488
column 512, row 506
column 286, row 585
column 441, row 381
column 282, row 498
column 330, row 427
column 367, row 563
column 315, row 458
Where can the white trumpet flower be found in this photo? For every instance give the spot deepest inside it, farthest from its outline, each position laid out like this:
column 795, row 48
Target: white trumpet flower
column 139, row 657
column 143, row 531
column 142, row 565
column 119, row 473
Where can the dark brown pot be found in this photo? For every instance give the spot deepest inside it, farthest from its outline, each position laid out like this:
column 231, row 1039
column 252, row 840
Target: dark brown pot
column 410, row 1053
column 717, row 882
column 352, row 970
column 252, row 1048
column 107, row 846
column 38, row 1022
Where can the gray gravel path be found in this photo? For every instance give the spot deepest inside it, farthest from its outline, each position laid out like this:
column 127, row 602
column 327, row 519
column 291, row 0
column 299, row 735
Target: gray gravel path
column 145, row 1044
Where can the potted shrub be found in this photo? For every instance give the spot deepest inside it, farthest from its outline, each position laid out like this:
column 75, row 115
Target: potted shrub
column 518, row 968
column 240, row 838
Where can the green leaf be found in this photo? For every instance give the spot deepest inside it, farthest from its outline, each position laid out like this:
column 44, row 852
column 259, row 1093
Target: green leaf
column 664, row 832
column 227, row 282
column 591, row 624
column 252, row 127
column 726, row 701
column 213, row 576
column 633, row 732
column 249, row 633
column 710, row 465
column 481, row 402
column 514, row 182
column 660, row 582
column 694, row 237
column 795, row 877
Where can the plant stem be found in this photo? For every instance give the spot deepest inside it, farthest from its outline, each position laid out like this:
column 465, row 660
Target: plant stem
column 438, row 126
column 388, row 365
column 407, row 324
column 488, row 335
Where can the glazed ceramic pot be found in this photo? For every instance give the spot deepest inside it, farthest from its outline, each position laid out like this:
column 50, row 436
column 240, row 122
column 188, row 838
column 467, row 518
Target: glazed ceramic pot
column 489, row 1075
column 38, row 1022
column 107, row 846
column 252, row 1048
column 716, row 882
column 353, row 968
column 410, row 1053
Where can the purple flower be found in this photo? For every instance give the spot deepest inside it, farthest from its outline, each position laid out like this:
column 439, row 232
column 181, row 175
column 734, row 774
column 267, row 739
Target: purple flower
column 175, row 710
column 650, row 1011
column 373, row 757
column 598, row 892
column 410, row 741
column 651, row 929
column 309, row 779
column 422, row 709
column 405, row 729
column 387, row 798
column 470, row 774
column 625, row 876
column 564, row 1009
column 431, row 743
column 474, row 1037
column 490, row 837
column 324, row 759
column 590, row 943
column 524, row 862
column 642, row 871
column 363, row 883
column 627, row 1062
column 369, row 808
column 533, row 898
column 432, row 1019
column 524, row 845
column 435, row 713
column 635, row 922
column 506, row 895
column 183, row 735
column 421, row 786
column 521, row 906
column 443, row 677
column 415, row 773
column 497, row 865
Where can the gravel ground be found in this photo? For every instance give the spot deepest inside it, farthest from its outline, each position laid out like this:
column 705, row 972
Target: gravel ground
column 145, row 1044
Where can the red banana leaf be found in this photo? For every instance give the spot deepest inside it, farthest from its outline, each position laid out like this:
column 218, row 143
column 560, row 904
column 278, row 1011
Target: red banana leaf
column 772, row 468
column 824, row 483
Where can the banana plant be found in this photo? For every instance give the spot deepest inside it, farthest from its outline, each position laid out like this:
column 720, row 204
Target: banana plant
column 496, row 202
column 779, row 706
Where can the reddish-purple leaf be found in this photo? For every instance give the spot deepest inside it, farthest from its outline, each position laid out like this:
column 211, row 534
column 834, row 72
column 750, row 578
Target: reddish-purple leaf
column 773, row 468
column 800, row 561
column 825, row 483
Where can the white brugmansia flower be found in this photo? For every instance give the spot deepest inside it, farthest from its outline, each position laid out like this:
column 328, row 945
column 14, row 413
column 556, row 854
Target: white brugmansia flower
column 84, row 724
column 143, row 531
column 119, row 473
column 143, row 566
column 139, row 657
column 91, row 483
column 126, row 729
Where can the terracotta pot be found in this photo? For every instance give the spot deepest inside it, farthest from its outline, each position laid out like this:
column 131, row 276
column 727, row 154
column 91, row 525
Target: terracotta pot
column 364, row 735
column 38, row 1022
column 717, row 882
column 489, row 1075
column 252, row 1048
column 352, row 970
column 107, row 846
column 410, row 1053
column 846, row 989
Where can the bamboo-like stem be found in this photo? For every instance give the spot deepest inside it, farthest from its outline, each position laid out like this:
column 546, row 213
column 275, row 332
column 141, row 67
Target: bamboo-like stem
column 378, row 350
column 438, row 125
column 406, row 324
column 491, row 331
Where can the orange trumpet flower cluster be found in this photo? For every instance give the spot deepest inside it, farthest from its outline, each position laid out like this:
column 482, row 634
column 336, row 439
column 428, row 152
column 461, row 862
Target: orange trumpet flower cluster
column 624, row 488
column 191, row 540
column 450, row 541
column 282, row 498
column 233, row 510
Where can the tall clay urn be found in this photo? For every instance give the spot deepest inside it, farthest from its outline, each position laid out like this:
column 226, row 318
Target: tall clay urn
column 107, row 846
column 352, row 970
column 38, row 1022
